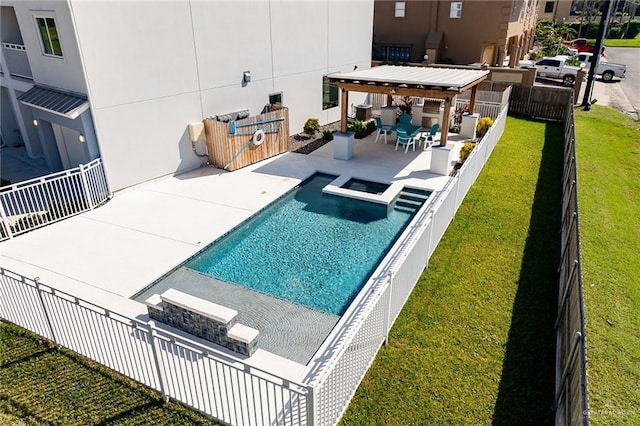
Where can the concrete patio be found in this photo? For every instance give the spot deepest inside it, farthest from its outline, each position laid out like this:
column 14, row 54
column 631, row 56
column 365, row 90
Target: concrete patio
column 107, row 255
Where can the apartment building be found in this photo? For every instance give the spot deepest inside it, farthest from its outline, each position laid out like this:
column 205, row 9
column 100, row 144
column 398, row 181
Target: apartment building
column 557, row 11
column 122, row 80
column 496, row 32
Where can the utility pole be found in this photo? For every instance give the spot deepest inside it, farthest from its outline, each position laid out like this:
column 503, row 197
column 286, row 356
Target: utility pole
column 605, row 13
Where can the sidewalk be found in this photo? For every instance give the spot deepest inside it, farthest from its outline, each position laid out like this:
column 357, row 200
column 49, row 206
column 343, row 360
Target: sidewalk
column 609, row 94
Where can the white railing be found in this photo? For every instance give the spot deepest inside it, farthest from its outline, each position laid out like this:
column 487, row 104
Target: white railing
column 179, row 368
column 230, row 390
column 342, row 362
column 34, row 203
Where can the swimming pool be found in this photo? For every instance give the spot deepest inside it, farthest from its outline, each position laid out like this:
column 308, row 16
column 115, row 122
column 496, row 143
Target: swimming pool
column 311, row 248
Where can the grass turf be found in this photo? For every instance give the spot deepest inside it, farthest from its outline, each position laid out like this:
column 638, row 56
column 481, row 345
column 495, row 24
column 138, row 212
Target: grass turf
column 608, row 159
column 41, row 385
column 475, row 342
column 632, row 42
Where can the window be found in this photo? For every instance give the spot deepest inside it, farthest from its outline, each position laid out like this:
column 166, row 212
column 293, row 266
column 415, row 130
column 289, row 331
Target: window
column 392, row 53
column 49, row 35
column 400, row 6
column 329, row 94
column 549, row 62
column 275, row 99
column 548, row 7
column 456, row 9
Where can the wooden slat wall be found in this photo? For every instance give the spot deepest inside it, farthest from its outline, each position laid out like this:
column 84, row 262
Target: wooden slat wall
column 223, row 146
column 549, row 103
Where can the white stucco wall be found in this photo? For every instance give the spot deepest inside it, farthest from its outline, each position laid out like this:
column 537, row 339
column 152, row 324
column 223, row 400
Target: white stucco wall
column 153, row 67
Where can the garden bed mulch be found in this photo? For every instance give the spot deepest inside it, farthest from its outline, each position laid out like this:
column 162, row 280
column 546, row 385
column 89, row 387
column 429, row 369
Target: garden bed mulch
column 305, row 144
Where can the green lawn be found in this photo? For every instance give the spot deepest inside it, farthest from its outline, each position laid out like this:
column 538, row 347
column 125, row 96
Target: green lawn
column 608, row 155
column 613, row 42
column 475, row 343
column 40, row 385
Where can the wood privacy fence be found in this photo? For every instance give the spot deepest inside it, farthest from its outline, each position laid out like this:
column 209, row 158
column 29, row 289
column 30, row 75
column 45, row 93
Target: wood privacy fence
column 548, row 103
column 232, row 149
column 571, row 400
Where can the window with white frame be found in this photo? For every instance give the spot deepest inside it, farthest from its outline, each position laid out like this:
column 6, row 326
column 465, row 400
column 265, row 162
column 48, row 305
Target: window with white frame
column 456, row 9
column 400, row 8
column 49, row 36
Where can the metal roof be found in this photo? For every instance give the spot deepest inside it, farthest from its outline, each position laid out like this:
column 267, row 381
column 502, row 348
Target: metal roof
column 54, row 101
column 447, row 78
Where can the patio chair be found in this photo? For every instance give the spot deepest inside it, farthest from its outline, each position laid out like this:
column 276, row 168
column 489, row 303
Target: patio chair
column 427, row 139
column 404, row 119
column 383, row 131
column 405, row 140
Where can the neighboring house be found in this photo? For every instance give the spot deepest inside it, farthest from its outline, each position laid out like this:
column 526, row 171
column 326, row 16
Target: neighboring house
column 122, row 80
column 557, row 11
column 461, row 32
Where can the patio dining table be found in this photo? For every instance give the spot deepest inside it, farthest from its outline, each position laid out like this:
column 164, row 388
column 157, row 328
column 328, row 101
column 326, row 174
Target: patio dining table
column 411, row 129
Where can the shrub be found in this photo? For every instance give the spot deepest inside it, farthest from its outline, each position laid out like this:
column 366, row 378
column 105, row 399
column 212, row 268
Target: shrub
column 362, row 128
column 534, row 56
column 483, row 126
column 457, row 117
column 327, row 135
column 311, row 126
column 405, row 105
column 466, row 150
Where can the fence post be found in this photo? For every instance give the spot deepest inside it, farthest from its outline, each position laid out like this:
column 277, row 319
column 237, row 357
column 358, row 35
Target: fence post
column 44, row 310
column 311, row 406
column 388, row 326
column 156, row 360
column 5, row 220
column 85, row 185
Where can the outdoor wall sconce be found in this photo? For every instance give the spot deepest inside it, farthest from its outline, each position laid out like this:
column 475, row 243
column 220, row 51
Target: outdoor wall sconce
column 81, row 138
column 246, row 76
column 35, row 123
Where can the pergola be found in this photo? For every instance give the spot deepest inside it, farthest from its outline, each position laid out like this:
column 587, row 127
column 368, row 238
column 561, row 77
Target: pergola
column 424, row 82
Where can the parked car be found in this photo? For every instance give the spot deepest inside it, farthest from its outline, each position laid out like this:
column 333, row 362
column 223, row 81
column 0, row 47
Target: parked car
column 607, row 70
column 582, row 45
column 553, row 67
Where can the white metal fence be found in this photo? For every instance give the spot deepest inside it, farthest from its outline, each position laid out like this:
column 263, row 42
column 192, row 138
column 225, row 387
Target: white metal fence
column 34, row 203
column 364, row 327
column 230, row 390
column 177, row 367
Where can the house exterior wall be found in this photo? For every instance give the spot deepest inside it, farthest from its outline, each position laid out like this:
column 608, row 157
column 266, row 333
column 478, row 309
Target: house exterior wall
column 482, row 23
column 561, row 11
column 158, row 66
column 64, row 73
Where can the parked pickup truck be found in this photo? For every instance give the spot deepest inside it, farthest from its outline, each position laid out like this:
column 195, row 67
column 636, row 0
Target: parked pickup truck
column 581, row 45
column 553, row 67
column 607, row 70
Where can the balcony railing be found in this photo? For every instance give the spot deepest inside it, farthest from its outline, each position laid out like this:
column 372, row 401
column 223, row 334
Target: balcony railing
column 15, row 56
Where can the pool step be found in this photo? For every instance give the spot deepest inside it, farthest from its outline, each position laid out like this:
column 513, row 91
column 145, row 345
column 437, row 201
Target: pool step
column 410, row 200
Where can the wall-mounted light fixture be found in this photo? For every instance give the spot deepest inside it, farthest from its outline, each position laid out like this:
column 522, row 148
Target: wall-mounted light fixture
column 81, row 138
column 246, row 76
column 35, row 122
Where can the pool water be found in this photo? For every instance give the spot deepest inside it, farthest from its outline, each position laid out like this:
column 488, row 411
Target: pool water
column 366, row 186
column 314, row 249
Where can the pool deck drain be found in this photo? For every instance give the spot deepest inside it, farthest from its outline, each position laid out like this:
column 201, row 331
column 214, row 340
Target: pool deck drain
column 287, row 329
